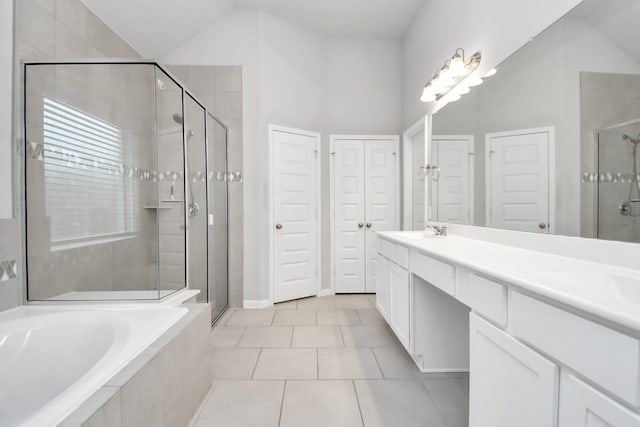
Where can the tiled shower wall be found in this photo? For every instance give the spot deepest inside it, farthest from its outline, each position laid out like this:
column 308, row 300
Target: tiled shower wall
column 219, row 88
column 605, row 100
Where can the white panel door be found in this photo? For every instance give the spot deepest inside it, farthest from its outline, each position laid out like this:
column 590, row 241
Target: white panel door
column 452, row 196
column 511, row 385
column 349, row 216
column 417, row 185
column 295, row 216
column 518, row 180
column 381, row 193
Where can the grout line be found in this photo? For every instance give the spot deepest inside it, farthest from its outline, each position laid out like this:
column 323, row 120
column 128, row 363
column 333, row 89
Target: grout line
column 284, row 389
column 434, row 403
column 379, row 366
column 317, row 363
column 342, row 336
column 253, row 372
column 355, row 390
column 196, row 416
column 240, row 338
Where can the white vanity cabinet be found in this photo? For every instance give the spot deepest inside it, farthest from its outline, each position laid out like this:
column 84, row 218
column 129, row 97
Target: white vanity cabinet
column 534, row 360
column 393, row 289
column 511, row 385
column 583, row 406
column 383, row 286
column 400, row 303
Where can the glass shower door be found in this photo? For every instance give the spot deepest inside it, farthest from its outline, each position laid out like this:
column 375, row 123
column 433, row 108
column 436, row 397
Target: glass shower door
column 217, row 216
column 619, row 183
column 195, row 137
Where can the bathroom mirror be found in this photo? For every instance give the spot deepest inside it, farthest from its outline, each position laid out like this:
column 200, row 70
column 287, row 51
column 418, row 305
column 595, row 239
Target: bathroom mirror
column 548, row 144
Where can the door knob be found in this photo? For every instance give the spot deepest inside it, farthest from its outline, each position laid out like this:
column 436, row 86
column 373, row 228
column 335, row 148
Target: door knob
column 368, row 225
column 278, row 226
column 360, row 225
column 542, row 225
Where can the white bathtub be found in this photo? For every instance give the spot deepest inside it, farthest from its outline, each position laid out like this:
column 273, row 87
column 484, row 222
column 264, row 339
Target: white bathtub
column 54, row 358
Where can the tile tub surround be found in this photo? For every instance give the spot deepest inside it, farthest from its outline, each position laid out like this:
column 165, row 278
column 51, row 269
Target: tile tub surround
column 163, row 386
column 304, row 371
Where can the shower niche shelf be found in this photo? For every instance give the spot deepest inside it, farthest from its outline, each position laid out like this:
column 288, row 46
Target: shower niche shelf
column 165, row 204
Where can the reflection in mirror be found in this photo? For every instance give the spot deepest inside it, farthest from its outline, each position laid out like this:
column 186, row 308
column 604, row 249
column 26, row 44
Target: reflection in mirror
column 541, row 145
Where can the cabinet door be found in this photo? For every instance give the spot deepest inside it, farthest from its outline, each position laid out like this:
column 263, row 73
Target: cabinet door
column 583, row 406
column 383, row 286
column 349, row 216
column 511, row 385
column 400, row 303
column 381, row 193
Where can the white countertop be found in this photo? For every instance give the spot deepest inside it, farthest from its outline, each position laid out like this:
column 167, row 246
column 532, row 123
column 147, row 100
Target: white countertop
column 609, row 292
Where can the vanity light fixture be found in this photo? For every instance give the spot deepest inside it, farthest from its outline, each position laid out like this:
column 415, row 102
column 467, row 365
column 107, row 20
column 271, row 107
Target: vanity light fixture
column 453, row 72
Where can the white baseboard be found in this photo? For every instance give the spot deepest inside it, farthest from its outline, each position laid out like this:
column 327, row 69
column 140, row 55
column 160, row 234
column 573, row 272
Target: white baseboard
column 256, row 303
column 325, row 292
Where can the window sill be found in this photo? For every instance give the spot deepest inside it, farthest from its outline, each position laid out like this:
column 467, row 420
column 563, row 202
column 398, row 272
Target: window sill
column 63, row 246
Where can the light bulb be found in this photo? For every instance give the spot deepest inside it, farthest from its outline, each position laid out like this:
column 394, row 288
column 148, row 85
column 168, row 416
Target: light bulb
column 457, row 65
column 454, row 97
column 473, row 81
column 428, row 95
column 490, row 73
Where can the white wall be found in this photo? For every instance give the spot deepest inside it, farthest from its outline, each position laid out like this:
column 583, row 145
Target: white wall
column 496, row 28
column 6, row 107
column 364, row 86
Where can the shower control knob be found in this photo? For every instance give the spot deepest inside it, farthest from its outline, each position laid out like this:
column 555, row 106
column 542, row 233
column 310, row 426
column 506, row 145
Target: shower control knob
column 278, row 226
column 360, row 225
column 368, row 225
column 542, row 225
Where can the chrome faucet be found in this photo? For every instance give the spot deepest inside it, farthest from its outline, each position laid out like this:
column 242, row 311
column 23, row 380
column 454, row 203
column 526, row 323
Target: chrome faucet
column 438, row 230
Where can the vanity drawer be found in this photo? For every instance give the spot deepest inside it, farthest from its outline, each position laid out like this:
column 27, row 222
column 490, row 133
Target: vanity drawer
column 607, row 357
column 389, row 250
column 403, row 257
column 485, row 296
column 438, row 273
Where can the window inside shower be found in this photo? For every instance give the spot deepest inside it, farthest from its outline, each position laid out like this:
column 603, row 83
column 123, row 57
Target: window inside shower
column 83, row 154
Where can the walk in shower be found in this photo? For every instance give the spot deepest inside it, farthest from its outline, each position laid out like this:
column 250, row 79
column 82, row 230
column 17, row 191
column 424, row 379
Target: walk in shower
column 125, row 180
column 618, row 203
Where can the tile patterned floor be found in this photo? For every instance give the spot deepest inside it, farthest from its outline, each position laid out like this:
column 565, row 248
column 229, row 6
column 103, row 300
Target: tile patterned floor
column 327, row 361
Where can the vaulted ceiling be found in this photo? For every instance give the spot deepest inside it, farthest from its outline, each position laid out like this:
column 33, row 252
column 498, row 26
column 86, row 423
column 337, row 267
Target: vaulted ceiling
column 155, row 27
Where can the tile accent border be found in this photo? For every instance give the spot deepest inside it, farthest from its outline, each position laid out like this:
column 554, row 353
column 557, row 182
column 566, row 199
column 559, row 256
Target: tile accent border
column 8, row 270
column 610, row 177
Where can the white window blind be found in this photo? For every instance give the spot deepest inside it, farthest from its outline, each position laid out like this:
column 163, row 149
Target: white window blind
column 87, row 194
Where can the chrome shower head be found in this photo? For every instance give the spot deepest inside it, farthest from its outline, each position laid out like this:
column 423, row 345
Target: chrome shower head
column 179, row 120
column 634, row 141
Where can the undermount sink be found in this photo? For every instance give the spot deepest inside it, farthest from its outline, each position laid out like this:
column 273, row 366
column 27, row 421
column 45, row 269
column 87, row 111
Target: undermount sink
column 604, row 285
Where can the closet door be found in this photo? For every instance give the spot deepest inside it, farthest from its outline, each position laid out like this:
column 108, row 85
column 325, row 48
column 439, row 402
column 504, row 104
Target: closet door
column 381, row 192
column 349, row 216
